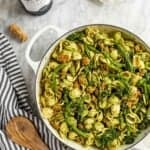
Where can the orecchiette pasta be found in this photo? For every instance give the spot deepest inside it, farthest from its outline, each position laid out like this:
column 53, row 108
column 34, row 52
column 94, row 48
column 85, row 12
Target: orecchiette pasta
column 95, row 89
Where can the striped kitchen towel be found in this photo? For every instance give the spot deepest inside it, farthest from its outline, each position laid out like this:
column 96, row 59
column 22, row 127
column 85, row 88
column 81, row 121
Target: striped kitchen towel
column 13, row 100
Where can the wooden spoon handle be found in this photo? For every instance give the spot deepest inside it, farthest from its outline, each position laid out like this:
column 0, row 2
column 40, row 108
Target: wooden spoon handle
column 38, row 144
column 22, row 131
column 40, row 147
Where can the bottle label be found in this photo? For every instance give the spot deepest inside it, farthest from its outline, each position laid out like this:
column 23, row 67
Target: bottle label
column 35, row 5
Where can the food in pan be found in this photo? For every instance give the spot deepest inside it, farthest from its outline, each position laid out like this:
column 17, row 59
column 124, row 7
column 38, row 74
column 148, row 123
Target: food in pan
column 95, row 89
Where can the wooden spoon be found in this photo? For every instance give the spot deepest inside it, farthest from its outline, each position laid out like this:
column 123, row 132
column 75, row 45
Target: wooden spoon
column 21, row 131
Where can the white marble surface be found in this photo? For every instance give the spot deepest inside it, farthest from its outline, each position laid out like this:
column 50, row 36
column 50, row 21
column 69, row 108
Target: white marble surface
column 133, row 15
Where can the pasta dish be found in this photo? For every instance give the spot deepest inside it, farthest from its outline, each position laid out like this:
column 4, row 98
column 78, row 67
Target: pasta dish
column 95, row 90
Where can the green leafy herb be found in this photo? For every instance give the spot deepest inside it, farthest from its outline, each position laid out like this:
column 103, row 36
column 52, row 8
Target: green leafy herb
column 92, row 48
column 107, row 137
column 69, row 106
column 126, row 57
column 76, row 36
column 129, row 139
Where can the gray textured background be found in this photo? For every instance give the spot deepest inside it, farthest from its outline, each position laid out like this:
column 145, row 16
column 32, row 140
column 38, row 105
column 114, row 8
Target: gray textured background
column 131, row 14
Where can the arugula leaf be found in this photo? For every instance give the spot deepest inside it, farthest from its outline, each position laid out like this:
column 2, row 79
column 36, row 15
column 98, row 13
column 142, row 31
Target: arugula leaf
column 54, row 76
column 113, row 64
column 129, row 139
column 105, row 139
column 92, row 48
column 76, row 36
column 70, row 120
column 126, row 57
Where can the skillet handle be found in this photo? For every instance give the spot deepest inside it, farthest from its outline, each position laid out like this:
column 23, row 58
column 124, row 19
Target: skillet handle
column 34, row 64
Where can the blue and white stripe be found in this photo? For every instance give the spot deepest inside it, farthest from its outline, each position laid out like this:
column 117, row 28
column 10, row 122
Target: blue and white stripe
column 14, row 100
